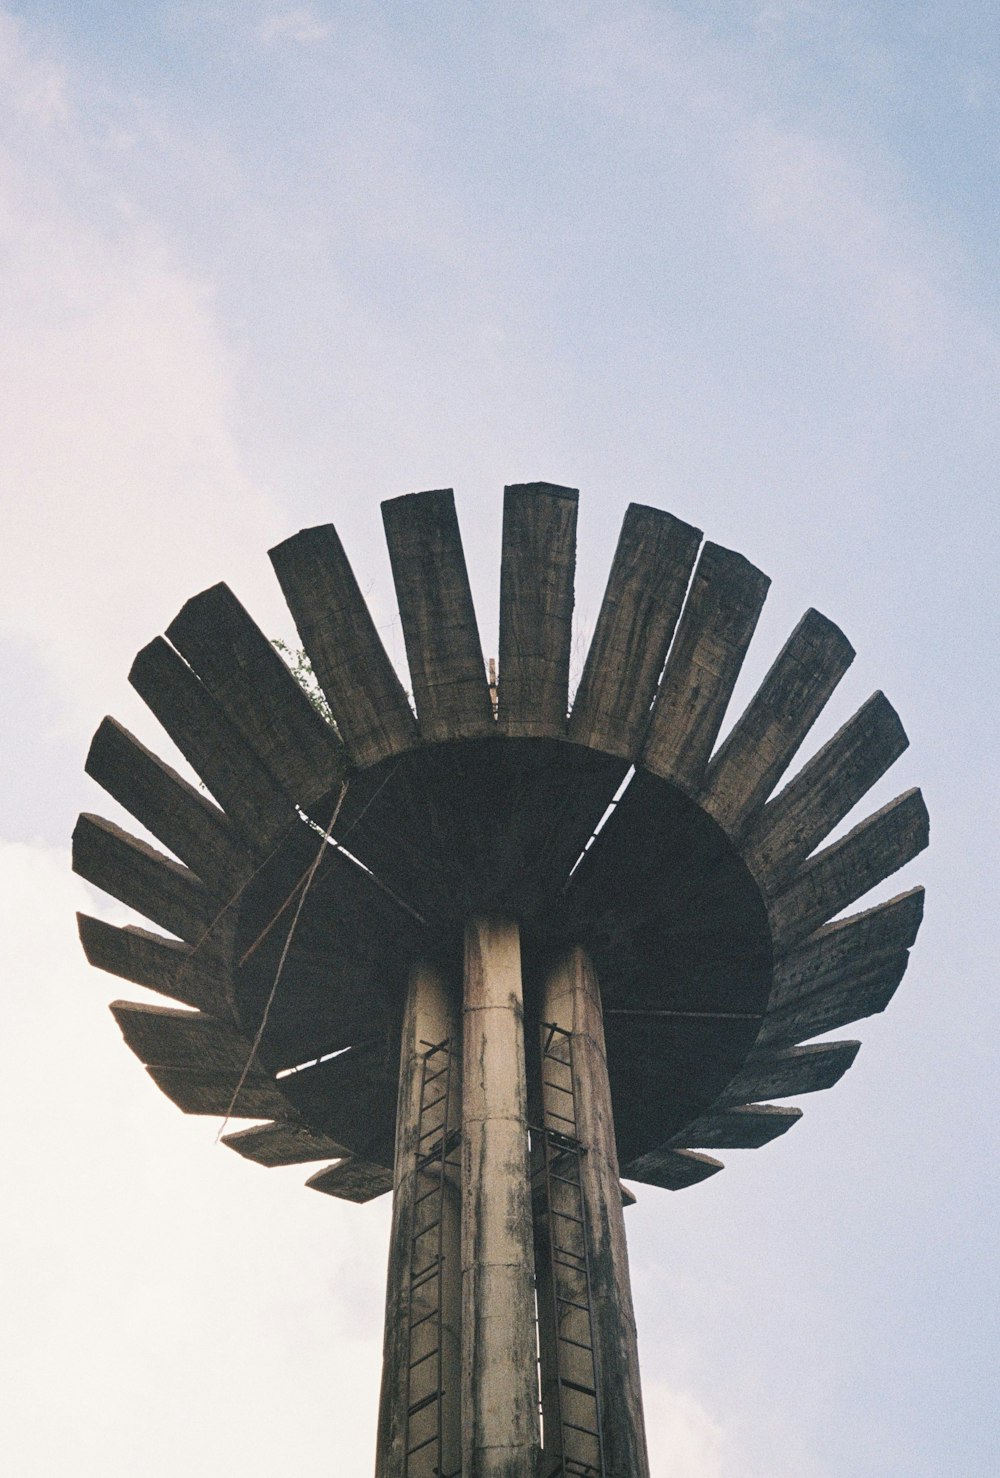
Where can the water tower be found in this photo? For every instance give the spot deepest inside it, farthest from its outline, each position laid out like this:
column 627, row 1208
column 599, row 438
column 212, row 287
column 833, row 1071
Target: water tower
column 490, row 950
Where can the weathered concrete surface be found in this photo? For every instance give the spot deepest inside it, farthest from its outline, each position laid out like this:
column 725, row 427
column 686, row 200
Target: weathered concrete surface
column 700, row 891
column 714, row 631
column 571, row 1000
column 443, row 653
column 499, row 1389
column 638, row 615
column 759, row 748
column 336, row 629
column 537, row 560
column 431, row 1016
column 245, row 675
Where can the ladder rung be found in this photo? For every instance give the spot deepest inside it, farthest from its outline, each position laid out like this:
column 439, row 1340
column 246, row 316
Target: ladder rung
column 568, row 1159
column 588, row 1430
column 423, row 1319
column 584, row 1293
column 566, row 1216
column 577, row 1343
column 564, row 1144
column 581, row 1257
column 428, row 1158
column 436, row 1152
column 547, row 1083
column 424, row 1401
column 573, row 1385
column 425, row 1275
column 431, row 1226
column 420, row 1361
column 572, row 1303
column 553, row 1175
column 579, row 1266
column 426, row 1443
column 580, row 1292
column 449, row 1140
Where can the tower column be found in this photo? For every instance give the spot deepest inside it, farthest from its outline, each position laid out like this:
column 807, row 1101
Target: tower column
column 571, row 1001
column 499, row 1383
column 422, row 1343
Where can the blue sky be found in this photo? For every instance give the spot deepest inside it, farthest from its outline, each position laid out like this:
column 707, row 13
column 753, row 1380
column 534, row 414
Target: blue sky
column 266, row 264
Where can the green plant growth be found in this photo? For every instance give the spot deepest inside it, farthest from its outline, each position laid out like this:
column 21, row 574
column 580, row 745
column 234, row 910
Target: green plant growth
column 301, row 669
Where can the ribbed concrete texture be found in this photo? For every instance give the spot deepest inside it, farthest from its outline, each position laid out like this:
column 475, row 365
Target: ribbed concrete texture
column 499, row 1384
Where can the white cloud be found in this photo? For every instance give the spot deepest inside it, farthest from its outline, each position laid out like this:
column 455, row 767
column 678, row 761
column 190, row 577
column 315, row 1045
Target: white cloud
column 31, row 85
column 811, row 196
column 122, row 481
column 684, row 1440
column 848, row 236
column 301, row 25
column 146, row 1270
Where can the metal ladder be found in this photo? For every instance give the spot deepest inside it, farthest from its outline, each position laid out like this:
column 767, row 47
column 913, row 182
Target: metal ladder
column 438, row 1138
column 557, row 1179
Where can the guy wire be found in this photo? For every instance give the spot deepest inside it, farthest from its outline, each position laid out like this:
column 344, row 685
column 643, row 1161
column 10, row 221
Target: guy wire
column 281, row 963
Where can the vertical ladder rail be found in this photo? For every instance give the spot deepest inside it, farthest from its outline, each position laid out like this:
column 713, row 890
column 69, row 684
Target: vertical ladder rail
column 437, row 1142
column 574, row 1382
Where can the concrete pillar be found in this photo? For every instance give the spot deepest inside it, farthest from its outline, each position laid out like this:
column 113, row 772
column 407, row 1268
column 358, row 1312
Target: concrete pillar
column 430, row 1017
column 499, row 1383
column 571, row 1000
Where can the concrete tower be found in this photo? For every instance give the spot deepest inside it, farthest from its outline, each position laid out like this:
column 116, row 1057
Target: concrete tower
column 490, row 949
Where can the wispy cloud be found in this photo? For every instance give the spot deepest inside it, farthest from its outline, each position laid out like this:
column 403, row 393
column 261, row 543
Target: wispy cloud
column 302, row 25
column 122, row 479
column 683, row 1438
column 807, row 193
column 31, row 85
column 848, row 236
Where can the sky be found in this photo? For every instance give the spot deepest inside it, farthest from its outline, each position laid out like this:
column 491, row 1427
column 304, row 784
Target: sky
column 265, row 265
